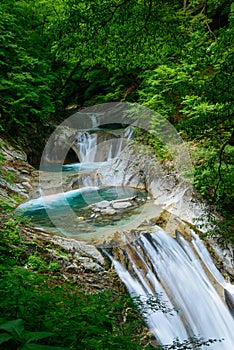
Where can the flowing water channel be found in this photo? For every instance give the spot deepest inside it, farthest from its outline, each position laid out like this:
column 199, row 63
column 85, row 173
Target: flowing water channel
column 180, row 272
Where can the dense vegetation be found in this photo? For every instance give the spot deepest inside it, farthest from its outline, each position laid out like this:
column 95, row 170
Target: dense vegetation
column 175, row 57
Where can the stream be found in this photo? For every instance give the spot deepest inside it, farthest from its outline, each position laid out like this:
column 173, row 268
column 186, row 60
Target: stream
column 149, row 262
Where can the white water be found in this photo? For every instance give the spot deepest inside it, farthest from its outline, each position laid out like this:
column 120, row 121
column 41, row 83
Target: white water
column 88, row 145
column 157, row 263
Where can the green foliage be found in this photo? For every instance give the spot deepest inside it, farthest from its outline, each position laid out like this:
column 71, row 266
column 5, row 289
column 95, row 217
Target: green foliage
column 27, row 82
column 153, row 144
column 10, row 251
column 54, row 266
column 35, row 263
column 194, row 90
column 163, row 88
column 91, row 321
column 42, row 305
column 16, row 335
column 2, row 158
column 153, row 303
column 173, row 57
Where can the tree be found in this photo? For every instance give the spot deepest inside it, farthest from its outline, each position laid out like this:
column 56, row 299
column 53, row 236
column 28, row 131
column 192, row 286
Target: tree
column 27, row 80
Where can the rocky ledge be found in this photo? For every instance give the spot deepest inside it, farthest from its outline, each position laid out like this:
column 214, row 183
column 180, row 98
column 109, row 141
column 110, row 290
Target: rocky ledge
column 80, row 262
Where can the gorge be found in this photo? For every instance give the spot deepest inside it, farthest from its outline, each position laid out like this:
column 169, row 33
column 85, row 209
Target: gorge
column 117, row 198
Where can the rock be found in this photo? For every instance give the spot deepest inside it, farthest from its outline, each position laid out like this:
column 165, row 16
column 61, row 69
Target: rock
column 24, row 171
column 102, row 204
column 108, row 211
column 17, row 176
column 222, row 253
column 229, row 298
column 82, row 248
column 72, row 268
column 27, row 185
column 121, row 205
column 89, row 264
column 11, row 154
column 58, row 145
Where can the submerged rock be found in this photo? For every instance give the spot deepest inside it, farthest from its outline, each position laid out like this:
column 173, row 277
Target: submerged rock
column 116, row 208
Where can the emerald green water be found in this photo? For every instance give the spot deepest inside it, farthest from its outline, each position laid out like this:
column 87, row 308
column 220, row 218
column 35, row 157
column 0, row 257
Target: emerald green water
column 70, row 213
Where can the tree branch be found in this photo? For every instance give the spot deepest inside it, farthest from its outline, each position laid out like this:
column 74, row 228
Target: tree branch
column 69, row 77
column 206, row 23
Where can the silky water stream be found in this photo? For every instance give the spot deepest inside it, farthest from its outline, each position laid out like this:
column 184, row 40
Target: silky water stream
column 180, row 272
column 158, row 264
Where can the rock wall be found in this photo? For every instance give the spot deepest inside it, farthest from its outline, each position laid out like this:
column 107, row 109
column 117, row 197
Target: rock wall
column 17, row 177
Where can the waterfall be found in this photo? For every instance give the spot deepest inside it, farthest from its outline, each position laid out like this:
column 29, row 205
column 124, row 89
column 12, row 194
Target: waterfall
column 105, row 147
column 117, row 145
column 87, row 144
column 129, row 132
column 157, row 264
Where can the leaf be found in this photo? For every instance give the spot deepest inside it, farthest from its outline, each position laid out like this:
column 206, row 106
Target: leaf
column 41, row 347
column 29, row 336
column 15, row 327
column 5, row 337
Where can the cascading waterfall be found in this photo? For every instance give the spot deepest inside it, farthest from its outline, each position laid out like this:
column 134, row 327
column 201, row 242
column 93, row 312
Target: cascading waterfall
column 129, row 133
column 87, row 144
column 155, row 264
column 117, row 145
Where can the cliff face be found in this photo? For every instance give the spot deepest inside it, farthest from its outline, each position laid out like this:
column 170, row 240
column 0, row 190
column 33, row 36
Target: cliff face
column 17, row 177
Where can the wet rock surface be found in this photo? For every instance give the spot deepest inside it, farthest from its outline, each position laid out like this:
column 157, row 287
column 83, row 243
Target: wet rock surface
column 223, row 255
